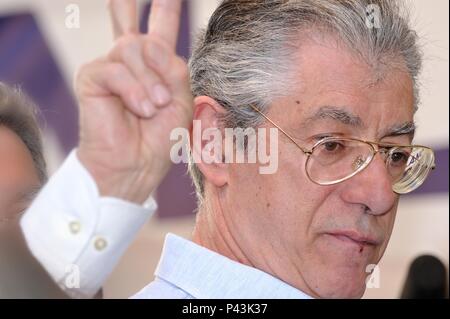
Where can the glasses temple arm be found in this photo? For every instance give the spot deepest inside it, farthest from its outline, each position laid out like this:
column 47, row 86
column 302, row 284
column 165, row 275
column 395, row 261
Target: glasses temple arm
column 278, row 127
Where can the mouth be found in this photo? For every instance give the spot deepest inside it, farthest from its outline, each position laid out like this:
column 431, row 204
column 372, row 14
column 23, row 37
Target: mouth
column 355, row 238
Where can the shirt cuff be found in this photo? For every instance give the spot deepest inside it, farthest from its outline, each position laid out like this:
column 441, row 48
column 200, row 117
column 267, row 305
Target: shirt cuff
column 77, row 235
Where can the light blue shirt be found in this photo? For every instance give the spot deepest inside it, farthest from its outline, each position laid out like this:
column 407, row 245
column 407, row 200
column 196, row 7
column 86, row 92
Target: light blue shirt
column 92, row 232
column 189, row 271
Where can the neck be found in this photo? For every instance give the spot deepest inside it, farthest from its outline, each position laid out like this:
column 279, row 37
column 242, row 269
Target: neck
column 212, row 231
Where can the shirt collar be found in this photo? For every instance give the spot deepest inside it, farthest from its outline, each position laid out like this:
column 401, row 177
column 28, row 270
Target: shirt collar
column 205, row 274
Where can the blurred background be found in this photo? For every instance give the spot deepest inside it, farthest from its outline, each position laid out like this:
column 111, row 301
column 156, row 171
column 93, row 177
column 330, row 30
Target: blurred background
column 42, row 43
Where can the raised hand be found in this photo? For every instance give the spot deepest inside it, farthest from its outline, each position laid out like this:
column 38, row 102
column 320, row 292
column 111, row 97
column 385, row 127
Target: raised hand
column 131, row 99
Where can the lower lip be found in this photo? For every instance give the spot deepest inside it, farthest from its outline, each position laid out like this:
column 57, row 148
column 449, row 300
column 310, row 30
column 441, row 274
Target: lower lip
column 348, row 240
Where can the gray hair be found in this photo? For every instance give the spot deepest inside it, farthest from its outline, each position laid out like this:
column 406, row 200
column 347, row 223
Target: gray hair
column 244, row 57
column 19, row 114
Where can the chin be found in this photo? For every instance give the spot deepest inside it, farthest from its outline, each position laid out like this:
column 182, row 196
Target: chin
column 342, row 277
column 343, row 286
column 342, row 269
column 351, row 291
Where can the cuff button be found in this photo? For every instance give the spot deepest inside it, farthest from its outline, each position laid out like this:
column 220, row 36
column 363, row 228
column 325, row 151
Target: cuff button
column 100, row 243
column 74, row 227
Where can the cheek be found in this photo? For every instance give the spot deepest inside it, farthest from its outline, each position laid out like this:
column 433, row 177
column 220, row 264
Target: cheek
column 243, row 183
column 16, row 167
column 294, row 199
column 387, row 223
column 286, row 202
column 17, row 175
column 305, row 195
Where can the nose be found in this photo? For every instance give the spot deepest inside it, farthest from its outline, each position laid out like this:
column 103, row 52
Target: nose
column 372, row 188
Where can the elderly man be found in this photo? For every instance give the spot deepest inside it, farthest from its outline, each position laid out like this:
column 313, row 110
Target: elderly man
column 337, row 78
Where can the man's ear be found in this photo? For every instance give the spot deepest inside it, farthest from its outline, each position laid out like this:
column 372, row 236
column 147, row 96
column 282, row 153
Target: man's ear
column 207, row 140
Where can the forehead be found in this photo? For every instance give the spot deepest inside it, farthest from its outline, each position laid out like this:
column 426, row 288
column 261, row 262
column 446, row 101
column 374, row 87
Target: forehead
column 329, row 74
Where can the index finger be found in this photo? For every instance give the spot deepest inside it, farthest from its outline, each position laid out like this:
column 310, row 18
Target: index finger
column 164, row 21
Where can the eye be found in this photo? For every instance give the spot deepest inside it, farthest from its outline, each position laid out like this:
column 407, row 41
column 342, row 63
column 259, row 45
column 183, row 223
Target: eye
column 399, row 157
column 332, row 146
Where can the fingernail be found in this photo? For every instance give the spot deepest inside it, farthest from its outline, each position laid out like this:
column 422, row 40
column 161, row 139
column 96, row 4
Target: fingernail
column 161, row 95
column 147, row 108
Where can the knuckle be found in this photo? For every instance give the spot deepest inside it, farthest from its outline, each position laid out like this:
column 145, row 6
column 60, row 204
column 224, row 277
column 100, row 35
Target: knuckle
column 154, row 43
column 150, row 78
column 157, row 54
column 115, row 70
column 137, row 92
column 82, row 73
column 127, row 43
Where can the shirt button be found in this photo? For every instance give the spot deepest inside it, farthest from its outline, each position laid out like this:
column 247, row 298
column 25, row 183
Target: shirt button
column 75, row 227
column 100, row 243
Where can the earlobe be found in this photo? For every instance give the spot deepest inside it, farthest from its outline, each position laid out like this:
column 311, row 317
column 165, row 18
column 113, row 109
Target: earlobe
column 207, row 141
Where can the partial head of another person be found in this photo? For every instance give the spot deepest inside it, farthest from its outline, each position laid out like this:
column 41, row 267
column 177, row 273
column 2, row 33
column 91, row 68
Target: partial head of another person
column 22, row 163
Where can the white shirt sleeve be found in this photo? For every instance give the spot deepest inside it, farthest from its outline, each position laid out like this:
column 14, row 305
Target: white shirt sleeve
column 77, row 235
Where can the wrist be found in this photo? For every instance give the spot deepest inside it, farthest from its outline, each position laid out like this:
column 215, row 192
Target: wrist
column 130, row 184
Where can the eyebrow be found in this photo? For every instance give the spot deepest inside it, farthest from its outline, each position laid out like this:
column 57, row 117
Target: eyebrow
column 335, row 113
column 347, row 118
column 407, row 128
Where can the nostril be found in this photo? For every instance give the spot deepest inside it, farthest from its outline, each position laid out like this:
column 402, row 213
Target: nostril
column 366, row 209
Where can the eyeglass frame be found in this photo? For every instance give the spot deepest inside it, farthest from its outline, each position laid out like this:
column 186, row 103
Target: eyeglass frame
column 308, row 153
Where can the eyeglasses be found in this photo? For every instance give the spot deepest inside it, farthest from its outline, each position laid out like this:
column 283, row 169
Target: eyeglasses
column 333, row 160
